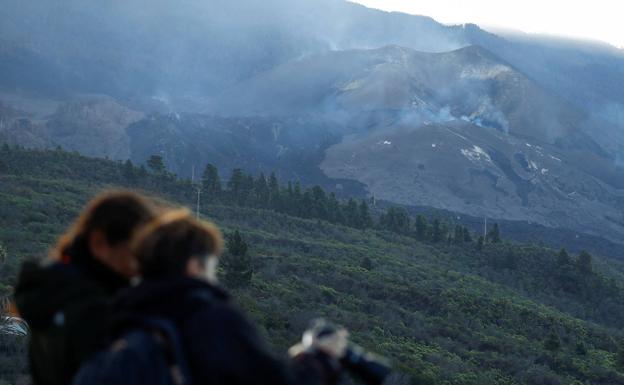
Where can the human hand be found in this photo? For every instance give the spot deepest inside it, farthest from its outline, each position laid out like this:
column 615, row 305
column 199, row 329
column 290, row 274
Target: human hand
column 325, row 337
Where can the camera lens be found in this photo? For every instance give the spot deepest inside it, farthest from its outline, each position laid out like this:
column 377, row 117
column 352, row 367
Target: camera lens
column 366, row 366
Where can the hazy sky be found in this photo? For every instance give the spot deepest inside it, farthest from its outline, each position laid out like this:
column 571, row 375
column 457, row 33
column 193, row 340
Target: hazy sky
column 596, row 19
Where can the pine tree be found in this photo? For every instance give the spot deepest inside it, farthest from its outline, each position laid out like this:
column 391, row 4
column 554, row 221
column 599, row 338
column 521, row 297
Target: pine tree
column 619, row 359
column 128, row 171
column 366, row 221
column 247, row 192
column 467, row 236
column 351, row 213
column 306, row 205
column 581, row 349
column 156, row 164
column 237, row 262
column 142, row 173
column 211, row 182
column 319, row 205
column 261, row 191
column 444, row 230
column 563, row 258
column 274, row 192
column 584, row 262
column 235, row 185
column 336, row 212
column 421, row 227
column 396, row 219
column 458, row 236
column 480, row 243
column 3, row 253
column 295, row 203
column 437, row 231
column 552, row 342
column 366, row 263
column 493, row 236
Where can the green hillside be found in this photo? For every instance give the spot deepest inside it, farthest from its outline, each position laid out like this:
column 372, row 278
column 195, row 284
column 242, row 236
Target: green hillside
column 445, row 311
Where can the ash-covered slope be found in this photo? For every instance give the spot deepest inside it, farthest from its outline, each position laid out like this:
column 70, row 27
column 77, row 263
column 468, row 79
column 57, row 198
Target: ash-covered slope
column 94, row 125
column 479, row 171
column 290, row 146
column 469, row 83
column 463, row 131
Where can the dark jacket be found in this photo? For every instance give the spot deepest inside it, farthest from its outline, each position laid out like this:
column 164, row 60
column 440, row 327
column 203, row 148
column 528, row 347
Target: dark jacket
column 220, row 345
column 67, row 307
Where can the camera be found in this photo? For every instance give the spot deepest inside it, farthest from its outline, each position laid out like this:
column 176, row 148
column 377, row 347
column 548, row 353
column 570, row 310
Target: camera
column 368, row 367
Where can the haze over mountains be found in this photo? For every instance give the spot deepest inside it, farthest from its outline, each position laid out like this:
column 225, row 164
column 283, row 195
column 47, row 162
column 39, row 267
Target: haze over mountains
column 399, row 106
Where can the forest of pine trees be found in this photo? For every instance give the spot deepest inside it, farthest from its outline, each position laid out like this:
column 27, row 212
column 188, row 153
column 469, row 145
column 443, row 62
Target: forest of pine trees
column 473, row 308
column 264, row 192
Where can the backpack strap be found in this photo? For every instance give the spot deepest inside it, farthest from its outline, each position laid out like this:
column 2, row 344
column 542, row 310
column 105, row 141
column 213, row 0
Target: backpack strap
column 166, row 335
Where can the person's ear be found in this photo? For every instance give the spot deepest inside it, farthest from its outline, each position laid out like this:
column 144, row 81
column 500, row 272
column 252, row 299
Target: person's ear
column 194, row 268
column 98, row 246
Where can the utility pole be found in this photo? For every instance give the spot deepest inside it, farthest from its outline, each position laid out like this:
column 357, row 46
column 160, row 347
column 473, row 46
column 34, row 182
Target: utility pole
column 198, row 198
column 193, row 174
column 484, row 229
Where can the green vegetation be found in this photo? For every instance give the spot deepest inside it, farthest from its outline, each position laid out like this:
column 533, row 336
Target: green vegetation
column 446, row 308
column 237, row 262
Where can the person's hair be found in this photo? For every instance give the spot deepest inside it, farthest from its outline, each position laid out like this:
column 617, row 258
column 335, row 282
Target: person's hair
column 165, row 245
column 117, row 214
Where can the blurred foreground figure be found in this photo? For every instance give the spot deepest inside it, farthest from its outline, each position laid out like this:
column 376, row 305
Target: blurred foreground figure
column 204, row 339
column 67, row 299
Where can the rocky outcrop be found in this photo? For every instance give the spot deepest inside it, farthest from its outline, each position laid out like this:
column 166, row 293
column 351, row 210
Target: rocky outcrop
column 93, row 125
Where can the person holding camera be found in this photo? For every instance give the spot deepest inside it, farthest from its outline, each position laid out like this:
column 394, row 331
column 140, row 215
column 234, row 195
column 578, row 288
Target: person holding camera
column 177, row 255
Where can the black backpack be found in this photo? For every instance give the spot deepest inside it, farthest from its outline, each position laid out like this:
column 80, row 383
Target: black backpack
column 148, row 353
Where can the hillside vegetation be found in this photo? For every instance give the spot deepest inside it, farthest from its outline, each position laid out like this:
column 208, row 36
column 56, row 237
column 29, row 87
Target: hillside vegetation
column 447, row 309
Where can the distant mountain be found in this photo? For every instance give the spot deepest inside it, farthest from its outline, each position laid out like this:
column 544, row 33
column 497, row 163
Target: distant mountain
column 145, row 48
column 461, row 130
column 328, row 92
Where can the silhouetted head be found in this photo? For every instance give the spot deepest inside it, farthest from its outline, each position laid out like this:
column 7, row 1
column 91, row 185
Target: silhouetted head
column 103, row 232
column 176, row 244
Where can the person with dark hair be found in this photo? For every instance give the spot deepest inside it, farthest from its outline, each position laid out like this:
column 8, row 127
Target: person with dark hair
column 177, row 255
column 66, row 299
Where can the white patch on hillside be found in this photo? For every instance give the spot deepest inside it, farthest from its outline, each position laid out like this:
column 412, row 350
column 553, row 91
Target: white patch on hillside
column 484, row 72
column 456, row 134
column 555, row 158
column 354, row 85
column 476, row 154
